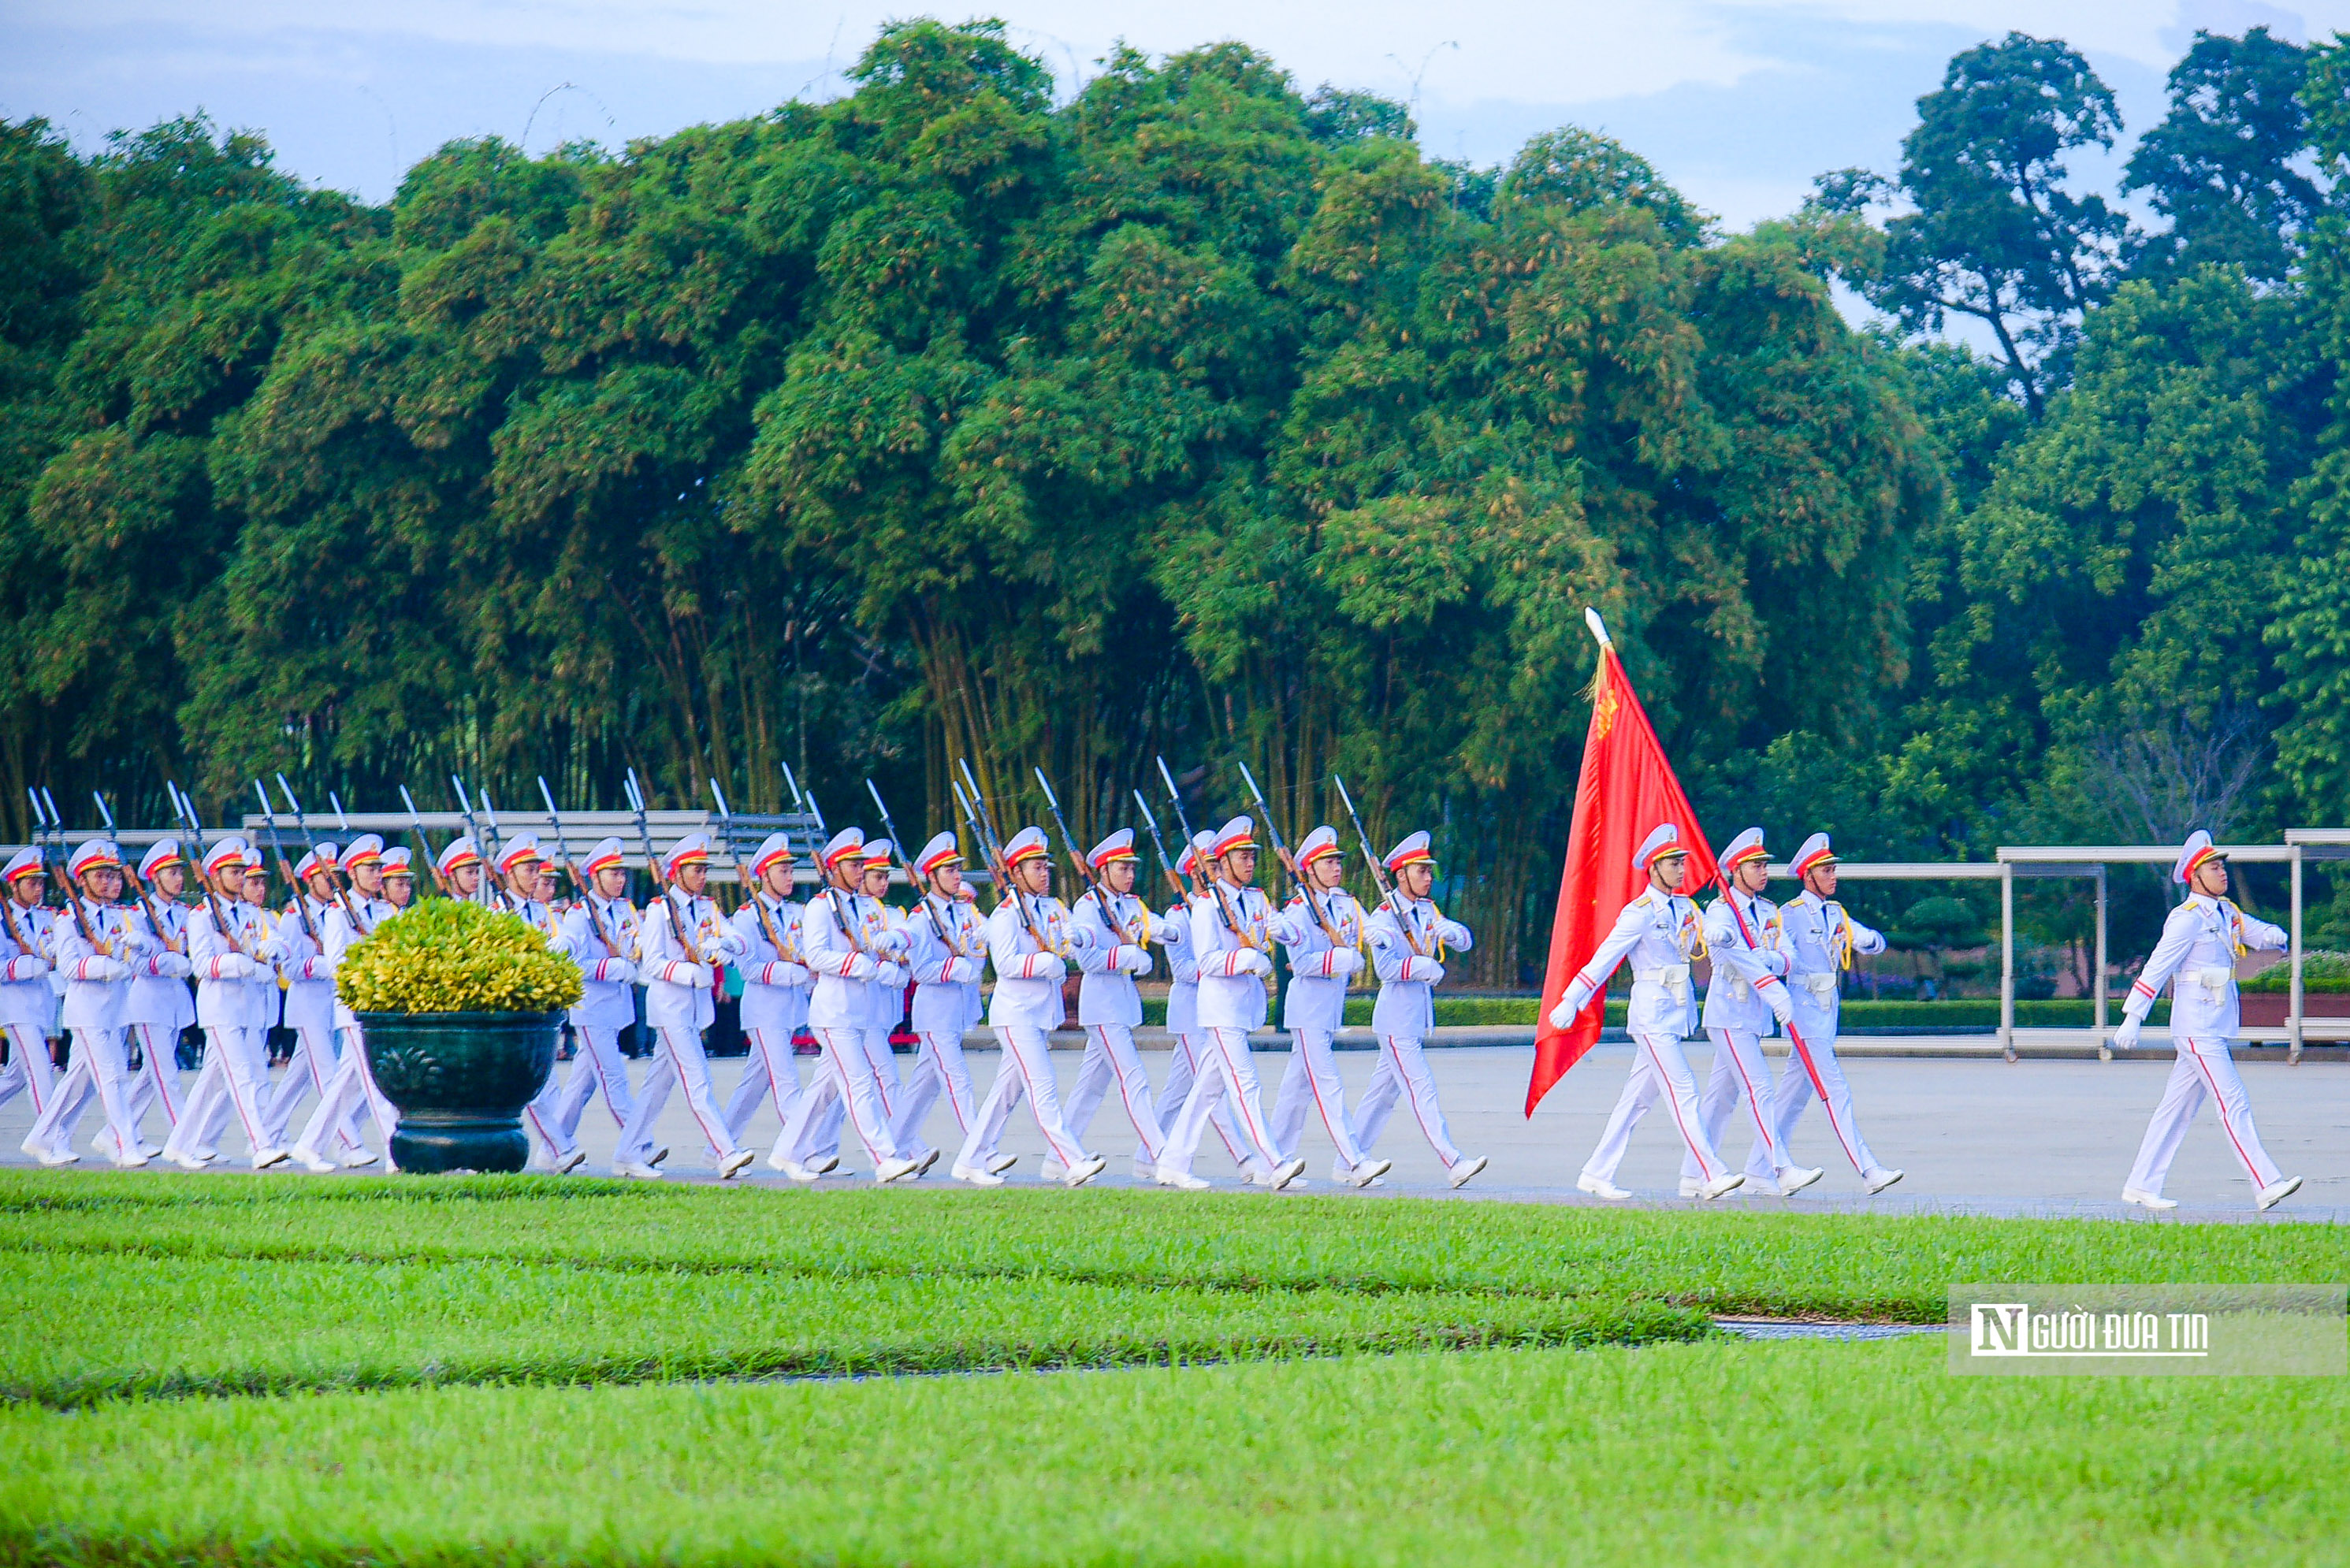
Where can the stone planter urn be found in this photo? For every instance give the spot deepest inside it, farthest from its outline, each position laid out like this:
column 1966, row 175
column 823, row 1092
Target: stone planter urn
column 460, row 1081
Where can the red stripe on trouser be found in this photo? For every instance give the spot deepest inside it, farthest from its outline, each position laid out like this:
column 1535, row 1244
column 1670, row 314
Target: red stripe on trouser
column 1118, row 1073
column 1248, row 1112
column 946, row 1082
column 531, row 1110
column 1820, row 1083
column 32, row 1078
column 1029, row 1085
column 1191, row 1059
column 775, row 1081
column 155, row 1065
column 1410, row 1093
column 1673, row 1100
column 847, row 1096
column 1753, row 1101
column 677, row 1066
column 1314, row 1086
column 230, row 1080
column 2220, row 1103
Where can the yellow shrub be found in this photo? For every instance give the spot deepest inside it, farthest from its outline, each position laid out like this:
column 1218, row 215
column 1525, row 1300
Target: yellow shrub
column 448, row 955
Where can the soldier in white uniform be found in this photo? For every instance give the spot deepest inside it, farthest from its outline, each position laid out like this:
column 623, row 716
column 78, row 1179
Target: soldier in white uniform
column 352, row 1088
column 1661, row 932
column 1117, row 931
column 399, row 879
column 886, row 994
column 2197, row 958
column 947, row 952
column 27, row 1004
column 1031, row 940
column 310, row 991
column 1409, row 935
column 1328, row 955
column 458, row 867
column 1184, row 1025
column 1748, row 990
column 600, row 933
column 161, row 1004
column 236, row 953
column 774, row 991
column 1233, row 927
column 98, row 947
column 684, row 943
column 851, row 945
column 1819, row 939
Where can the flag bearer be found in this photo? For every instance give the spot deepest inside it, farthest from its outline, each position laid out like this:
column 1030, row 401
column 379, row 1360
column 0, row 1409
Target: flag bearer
column 1030, row 941
column 235, row 954
column 1661, row 933
column 98, row 949
column 2197, row 958
column 600, row 933
column 775, row 990
column 1748, row 990
column 1117, row 927
column 27, row 1004
column 1819, row 939
column 1328, row 953
column 947, row 952
column 684, row 942
column 352, row 1088
column 1408, row 936
column 1233, row 927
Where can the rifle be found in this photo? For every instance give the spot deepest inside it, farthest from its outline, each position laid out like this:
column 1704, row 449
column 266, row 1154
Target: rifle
column 342, row 894
column 922, row 893
column 1379, row 870
column 653, row 868
column 1102, row 894
column 587, row 893
column 1215, row 883
column 483, row 892
column 496, row 841
column 185, row 809
column 146, row 901
column 73, row 895
column 424, row 839
column 1305, row 888
column 726, row 820
column 992, row 845
column 301, row 894
column 342, row 823
column 799, row 802
column 831, row 893
column 1167, row 866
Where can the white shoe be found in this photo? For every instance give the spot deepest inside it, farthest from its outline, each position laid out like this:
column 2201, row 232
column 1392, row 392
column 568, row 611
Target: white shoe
column 50, row 1156
column 187, row 1161
column 2145, row 1200
column 657, row 1155
column 1287, row 1171
column 2277, row 1193
column 1370, row 1170
column 735, row 1162
column 997, row 1164
column 312, row 1163
column 824, row 1164
column 975, row 1176
column 565, row 1164
column 1689, row 1186
column 1085, row 1171
column 795, row 1169
column 1466, row 1168
column 263, row 1158
column 359, row 1158
column 1599, row 1187
column 1168, row 1175
column 131, row 1161
column 1879, row 1179
column 1145, row 1169
column 889, row 1170
column 636, row 1170
column 1729, row 1182
column 1052, row 1170
column 1795, row 1177
column 784, row 1162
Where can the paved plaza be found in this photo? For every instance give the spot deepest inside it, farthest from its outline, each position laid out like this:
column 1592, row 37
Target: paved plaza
column 2052, row 1137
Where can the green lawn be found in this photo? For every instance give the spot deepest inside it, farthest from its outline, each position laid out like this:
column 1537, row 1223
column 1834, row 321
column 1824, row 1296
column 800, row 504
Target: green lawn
column 280, row 1369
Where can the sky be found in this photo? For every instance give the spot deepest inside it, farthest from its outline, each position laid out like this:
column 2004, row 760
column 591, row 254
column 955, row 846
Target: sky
column 1737, row 102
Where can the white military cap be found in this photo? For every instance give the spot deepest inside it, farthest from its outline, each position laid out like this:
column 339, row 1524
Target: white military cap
column 1318, row 845
column 774, row 850
column 319, row 859
column 2198, row 849
column 1028, row 844
column 1119, row 846
column 843, row 845
column 24, row 863
column 161, row 853
column 366, row 848
column 606, row 856
column 395, row 862
column 457, row 854
column 1240, row 833
column 228, row 854
column 941, row 851
column 694, row 849
column 1814, row 855
column 1663, row 839
column 520, row 851
column 876, row 852
column 1413, row 851
column 1202, row 842
column 94, row 854
column 1747, row 846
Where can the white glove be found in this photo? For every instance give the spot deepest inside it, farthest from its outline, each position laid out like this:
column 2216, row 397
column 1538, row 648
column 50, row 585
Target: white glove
column 732, row 943
column 1047, row 966
column 893, row 941
column 1563, row 1015
column 782, row 972
column 231, row 966
column 1345, row 963
column 1423, row 968
column 859, row 968
column 1783, row 1007
column 694, row 976
column 615, row 971
column 28, row 967
column 1454, row 933
column 2126, row 1037
column 105, row 969
column 890, row 976
column 173, row 966
column 1133, row 960
column 1254, row 963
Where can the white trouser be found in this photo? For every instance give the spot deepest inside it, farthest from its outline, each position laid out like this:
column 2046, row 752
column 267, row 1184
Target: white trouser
column 1403, row 1070
column 1740, row 1077
column 1026, row 1071
column 768, row 1073
column 1658, row 1068
column 1311, row 1079
column 29, row 1071
column 352, row 1088
column 1182, row 1076
column 681, row 1060
column 846, row 1079
column 100, row 1065
column 1111, row 1054
column 154, row 1080
column 307, row 1071
column 2204, row 1067
column 884, row 1062
column 1226, row 1074
column 938, row 1066
column 235, row 1075
column 555, row 1112
column 1795, row 1094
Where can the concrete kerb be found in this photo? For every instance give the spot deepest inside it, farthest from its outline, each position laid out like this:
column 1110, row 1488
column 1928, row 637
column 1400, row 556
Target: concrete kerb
column 2049, row 1046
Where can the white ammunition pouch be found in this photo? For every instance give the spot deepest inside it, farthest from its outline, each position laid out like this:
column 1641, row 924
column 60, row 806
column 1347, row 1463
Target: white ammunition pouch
column 2214, row 982
column 1674, row 977
column 1739, row 991
column 1823, row 985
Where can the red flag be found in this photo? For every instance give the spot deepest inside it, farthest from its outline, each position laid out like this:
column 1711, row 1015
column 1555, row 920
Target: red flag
column 1626, row 790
